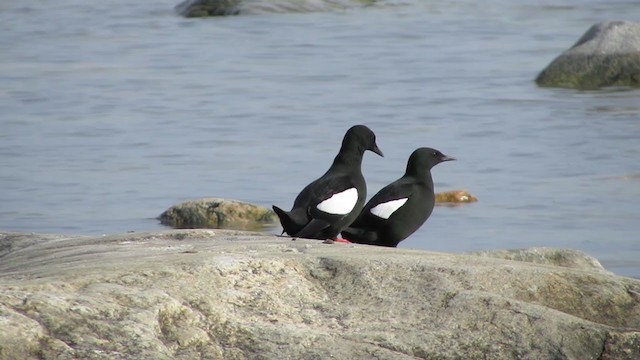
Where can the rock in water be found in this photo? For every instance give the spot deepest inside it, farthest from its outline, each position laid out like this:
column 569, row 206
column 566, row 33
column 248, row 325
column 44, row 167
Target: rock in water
column 608, row 54
column 204, row 8
column 217, row 213
column 455, row 197
column 204, row 294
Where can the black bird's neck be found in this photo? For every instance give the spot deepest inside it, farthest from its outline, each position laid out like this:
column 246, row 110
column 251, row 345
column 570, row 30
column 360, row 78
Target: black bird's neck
column 420, row 173
column 349, row 157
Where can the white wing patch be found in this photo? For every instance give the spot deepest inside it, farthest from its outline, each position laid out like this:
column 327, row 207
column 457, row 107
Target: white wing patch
column 385, row 209
column 340, row 203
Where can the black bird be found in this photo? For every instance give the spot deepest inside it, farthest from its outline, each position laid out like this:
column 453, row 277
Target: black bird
column 330, row 203
column 400, row 208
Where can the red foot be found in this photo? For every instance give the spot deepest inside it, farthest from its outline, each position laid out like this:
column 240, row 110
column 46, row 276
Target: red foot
column 344, row 241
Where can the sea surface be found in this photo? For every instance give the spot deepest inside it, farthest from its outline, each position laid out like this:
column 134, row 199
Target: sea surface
column 110, row 112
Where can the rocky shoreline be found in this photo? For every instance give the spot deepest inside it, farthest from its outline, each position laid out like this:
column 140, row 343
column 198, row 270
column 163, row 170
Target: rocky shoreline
column 223, row 294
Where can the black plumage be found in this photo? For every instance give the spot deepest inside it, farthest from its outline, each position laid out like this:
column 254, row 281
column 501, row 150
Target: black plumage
column 400, row 208
column 330, row 203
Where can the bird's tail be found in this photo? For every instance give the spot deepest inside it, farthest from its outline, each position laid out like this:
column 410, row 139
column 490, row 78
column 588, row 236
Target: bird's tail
column 290, row 224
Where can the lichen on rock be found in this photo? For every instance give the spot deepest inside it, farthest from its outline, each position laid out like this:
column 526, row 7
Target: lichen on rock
column 217, row 213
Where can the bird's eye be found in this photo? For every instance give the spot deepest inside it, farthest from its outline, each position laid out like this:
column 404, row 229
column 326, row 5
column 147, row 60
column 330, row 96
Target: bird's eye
column 435, row 153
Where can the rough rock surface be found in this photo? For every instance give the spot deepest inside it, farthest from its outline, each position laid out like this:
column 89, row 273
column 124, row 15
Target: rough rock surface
column 608, row 54
column 204, row 8
column 549, row 256
column 218, row 213
column 203, row 294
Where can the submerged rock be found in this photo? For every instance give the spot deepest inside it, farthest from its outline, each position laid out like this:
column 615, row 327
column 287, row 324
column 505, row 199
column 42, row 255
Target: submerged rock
column 204, row 8
column 217, row 213
column 608, row 54
column 455, row 197
column 203, row 294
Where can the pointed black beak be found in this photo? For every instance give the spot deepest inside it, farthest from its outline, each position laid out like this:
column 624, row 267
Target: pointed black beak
column 446, row 158
column 377, row 150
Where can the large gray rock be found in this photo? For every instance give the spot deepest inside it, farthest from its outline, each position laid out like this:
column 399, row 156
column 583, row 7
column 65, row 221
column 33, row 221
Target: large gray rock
column 204, row 8
column 218, row 213
column 203, row 294
column 608, row 54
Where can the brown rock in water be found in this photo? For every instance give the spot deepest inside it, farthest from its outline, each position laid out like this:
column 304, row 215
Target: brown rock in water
column 455, row 197
column 217, row 213
column 204, row 294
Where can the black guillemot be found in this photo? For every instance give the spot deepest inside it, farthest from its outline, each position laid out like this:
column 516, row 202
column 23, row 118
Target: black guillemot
column 333, row 201
column 400, row 208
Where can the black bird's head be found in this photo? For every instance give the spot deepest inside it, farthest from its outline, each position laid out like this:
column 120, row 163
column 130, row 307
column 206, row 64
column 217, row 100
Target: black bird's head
column 363, row 138
column 424, row 159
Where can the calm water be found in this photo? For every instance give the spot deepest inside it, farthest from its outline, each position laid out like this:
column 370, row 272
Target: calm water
column 113, row 111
